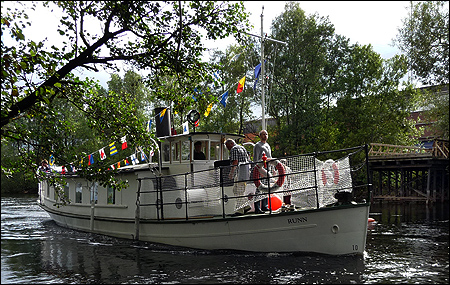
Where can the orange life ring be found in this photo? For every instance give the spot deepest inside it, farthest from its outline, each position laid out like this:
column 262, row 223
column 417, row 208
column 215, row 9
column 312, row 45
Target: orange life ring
column 327, row 169
column 281, row 173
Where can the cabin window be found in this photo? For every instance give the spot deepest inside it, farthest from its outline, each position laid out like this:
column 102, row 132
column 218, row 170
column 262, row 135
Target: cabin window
column 185, row 150
column 66, row 191
column 94, row 192
column 214, row 151
column 48, row 189
column 203, row 150
column 165, row 152
column 176, row 151
column 111, row 195
column 78, row 193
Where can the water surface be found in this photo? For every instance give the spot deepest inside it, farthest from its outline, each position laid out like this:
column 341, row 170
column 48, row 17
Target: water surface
column 407, row 244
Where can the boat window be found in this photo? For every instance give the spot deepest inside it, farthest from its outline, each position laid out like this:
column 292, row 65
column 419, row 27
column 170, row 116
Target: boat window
column 78, row 193
column 165, row 152
column 185, row 150
column 176, row 151
column 66, row 191
column 214, row 151
column 94, row 192
column 201, row 153
column 111, row 195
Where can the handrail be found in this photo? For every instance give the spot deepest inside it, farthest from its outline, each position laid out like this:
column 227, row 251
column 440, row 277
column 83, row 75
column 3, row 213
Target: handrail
column 440, row 149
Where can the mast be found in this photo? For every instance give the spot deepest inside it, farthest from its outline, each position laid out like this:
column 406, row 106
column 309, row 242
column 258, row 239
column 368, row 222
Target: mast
column 263, row 119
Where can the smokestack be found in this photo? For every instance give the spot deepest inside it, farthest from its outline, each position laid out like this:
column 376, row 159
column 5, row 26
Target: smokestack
column 162, row 127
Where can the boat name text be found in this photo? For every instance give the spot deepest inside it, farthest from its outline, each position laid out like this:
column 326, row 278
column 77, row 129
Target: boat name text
column 297, row 220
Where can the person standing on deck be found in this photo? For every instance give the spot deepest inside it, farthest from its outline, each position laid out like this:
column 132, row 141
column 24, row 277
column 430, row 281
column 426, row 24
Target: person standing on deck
column 239, row 158
column 261, row 147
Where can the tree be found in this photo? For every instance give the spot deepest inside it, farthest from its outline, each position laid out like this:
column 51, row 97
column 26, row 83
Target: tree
column 165, row 40
column 329, row 94
column 296, row 96
column 424, row 39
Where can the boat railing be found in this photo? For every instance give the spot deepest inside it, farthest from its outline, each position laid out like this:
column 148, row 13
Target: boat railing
column 307, row 181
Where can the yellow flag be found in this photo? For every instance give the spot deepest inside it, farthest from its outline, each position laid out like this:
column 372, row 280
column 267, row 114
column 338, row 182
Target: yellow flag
column 208, row 109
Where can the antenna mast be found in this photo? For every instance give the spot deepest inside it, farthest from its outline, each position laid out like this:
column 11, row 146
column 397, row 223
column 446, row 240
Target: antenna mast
column 263, row 119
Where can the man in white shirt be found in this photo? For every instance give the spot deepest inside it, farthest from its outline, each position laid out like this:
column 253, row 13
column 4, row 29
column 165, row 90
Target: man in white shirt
column 261, row 147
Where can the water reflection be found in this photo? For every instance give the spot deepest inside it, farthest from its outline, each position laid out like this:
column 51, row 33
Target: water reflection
column 407, row 244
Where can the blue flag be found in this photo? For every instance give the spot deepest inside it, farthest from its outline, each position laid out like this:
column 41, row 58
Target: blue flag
column 224, row 99
column 257, row 72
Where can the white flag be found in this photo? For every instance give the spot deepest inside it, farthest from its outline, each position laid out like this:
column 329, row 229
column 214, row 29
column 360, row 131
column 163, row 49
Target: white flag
column 134, row 160
column 185, row 128
column 102, row 153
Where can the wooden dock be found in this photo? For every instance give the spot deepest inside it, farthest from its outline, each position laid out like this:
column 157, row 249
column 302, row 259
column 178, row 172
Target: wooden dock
column 405, row 173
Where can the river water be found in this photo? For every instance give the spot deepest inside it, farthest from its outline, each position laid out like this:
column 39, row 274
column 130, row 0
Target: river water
column 408, row 243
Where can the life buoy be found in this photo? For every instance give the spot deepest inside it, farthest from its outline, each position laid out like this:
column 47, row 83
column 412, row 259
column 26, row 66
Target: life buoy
column 330, row 172
column 281, row 175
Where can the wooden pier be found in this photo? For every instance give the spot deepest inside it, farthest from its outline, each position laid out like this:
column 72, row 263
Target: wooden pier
column 404, row 173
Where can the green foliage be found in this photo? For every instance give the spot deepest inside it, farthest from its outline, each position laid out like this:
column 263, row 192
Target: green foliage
column 424, row 39
column 295, row 99
column 329, row 94
column 46, row 109
column 435, row 100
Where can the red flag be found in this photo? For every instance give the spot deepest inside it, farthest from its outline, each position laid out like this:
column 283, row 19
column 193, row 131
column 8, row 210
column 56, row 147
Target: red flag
column 124, row 142
column 241, row 85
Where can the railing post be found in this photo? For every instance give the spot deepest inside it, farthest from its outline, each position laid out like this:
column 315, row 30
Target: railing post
column 369, row 176
column 138, row 211
column 185, row 195
column 315, row 180
column 223, row 190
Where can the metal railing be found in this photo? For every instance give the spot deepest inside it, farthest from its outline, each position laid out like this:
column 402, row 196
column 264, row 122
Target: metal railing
column 207, row 193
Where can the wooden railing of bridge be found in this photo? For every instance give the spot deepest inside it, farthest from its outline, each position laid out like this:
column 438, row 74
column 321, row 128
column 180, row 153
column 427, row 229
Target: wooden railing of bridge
column 439, row 150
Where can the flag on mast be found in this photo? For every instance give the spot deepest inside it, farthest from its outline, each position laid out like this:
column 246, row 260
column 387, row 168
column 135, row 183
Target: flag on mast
column 240, row 87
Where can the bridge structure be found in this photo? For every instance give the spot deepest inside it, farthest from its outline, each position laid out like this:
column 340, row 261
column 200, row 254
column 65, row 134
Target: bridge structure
column 405, row 173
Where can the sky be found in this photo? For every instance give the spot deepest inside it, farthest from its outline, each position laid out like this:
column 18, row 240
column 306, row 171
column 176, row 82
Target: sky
column 363, row 22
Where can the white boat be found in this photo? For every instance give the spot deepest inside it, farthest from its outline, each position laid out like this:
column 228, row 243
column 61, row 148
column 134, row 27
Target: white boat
column 184, row 202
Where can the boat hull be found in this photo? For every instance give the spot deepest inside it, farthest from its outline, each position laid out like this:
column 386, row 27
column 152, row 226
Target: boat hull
column 337, row 230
